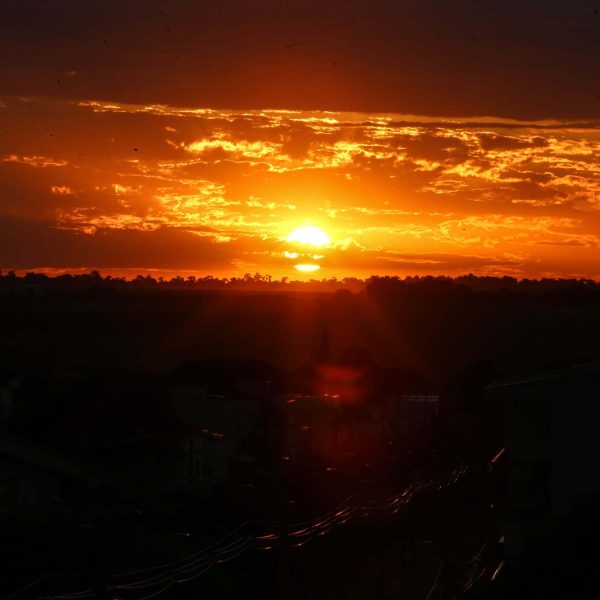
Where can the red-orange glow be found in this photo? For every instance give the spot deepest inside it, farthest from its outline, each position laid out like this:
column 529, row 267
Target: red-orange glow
column 341, row 383
column 295, row 193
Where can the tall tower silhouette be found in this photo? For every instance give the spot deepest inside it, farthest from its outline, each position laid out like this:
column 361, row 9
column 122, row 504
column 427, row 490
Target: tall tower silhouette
column 324, row 352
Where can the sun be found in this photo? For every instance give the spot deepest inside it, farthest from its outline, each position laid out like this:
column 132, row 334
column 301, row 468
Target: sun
column 307, row 268
column 311, row 236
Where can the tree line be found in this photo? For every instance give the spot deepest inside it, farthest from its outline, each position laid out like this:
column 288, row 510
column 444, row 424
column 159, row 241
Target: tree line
column 33, row 282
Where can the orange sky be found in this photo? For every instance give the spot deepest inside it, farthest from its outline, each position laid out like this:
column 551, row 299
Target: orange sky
column 142, row 136
column 127, row 188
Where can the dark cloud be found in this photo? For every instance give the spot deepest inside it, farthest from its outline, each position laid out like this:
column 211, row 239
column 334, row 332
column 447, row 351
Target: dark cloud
column 436, row 57
column 29, row 244
column 435, row 147
column 435, row 262
column 559, row 243
column 490, row 141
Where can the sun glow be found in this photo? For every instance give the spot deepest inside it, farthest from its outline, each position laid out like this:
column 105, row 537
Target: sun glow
column 306, row 236
column 307, row 268
column 312, row 236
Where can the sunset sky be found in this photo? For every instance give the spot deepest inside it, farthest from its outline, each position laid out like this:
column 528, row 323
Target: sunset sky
column 193, row 138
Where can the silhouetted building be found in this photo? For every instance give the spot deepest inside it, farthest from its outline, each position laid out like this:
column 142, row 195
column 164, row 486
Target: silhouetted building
column 162, row 461
column 409, row 414
column 324, row 351
column 551, row 431
column 234, row 416
column 325, row 426
column 33, row 476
